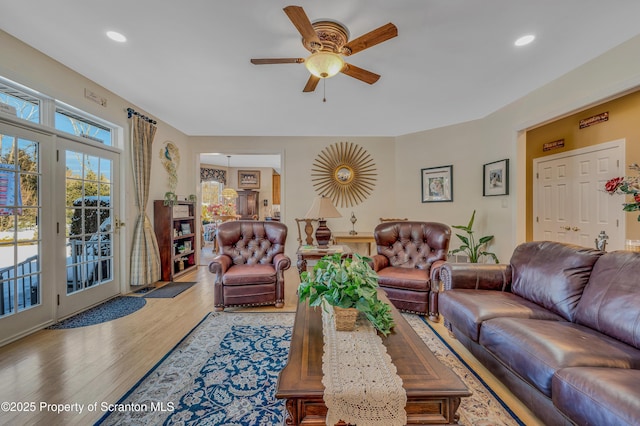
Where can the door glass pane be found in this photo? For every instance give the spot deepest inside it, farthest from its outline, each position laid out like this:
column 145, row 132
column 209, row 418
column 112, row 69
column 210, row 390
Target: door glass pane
column 88, row 228
column 19, row 218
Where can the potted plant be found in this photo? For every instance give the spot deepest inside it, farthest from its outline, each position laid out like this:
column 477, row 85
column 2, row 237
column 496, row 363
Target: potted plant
column 469, row 245
column 347, row 283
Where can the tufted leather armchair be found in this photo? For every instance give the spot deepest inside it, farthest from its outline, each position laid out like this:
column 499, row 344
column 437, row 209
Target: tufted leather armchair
column 408, row 252
column 250, row 264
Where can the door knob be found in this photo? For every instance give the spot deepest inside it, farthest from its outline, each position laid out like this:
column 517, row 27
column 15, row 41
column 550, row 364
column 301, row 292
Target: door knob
column 575, row 228
column 566, row 228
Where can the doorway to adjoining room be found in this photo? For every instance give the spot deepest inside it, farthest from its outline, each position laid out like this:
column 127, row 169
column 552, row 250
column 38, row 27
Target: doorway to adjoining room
column 236, row 187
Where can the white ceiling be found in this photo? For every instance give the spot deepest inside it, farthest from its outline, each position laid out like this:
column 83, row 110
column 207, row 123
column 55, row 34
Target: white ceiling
column 187, row 62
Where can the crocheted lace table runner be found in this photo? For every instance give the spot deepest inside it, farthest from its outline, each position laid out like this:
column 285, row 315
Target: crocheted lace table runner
column 360, row 381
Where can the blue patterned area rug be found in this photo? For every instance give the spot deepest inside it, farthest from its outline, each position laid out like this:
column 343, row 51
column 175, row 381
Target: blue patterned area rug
column 117, row 307
column 224, row 373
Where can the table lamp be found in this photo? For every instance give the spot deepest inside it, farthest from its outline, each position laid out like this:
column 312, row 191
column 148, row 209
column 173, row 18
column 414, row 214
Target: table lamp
column 322, row 208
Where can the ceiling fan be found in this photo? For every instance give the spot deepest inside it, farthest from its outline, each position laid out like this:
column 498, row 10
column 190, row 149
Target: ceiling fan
column 328, row 41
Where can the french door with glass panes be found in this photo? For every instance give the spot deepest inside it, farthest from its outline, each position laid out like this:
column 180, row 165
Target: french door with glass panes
column 87, row 237
column 26, row 284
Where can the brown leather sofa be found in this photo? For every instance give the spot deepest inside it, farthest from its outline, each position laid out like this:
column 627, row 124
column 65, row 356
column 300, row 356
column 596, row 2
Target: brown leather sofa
column 559, row 326
column 407, row 254
column 250, row 264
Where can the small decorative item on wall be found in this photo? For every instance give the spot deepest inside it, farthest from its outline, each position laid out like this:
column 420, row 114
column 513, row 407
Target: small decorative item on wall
column 495, row 178
column 437, row 184
column 249, row 179
column 345, row 173
column 170, row 157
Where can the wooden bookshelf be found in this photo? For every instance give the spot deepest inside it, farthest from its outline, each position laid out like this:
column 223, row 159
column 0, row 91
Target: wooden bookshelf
column 175, row 228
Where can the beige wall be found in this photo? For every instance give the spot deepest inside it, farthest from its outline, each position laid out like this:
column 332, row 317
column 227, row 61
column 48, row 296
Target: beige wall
column 298, row 155
column 467, row 146
column 500, row 135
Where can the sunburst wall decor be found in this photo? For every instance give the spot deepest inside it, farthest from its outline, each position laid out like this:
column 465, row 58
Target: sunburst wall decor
column 344, row 172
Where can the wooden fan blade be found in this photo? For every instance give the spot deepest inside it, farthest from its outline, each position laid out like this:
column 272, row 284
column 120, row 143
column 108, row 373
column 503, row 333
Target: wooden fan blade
column 311, row 83
column 360, row 74
column 371, row 38
column 302, row 23
column 277, row 61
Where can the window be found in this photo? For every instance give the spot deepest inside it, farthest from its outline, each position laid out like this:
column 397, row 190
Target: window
column 26, row 106
column 79, row 124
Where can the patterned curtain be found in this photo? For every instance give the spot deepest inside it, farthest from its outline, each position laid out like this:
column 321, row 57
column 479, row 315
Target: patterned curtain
column 145, row 255
column 207, row 174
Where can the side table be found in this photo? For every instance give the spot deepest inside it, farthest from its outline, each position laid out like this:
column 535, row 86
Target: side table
column 306, row 253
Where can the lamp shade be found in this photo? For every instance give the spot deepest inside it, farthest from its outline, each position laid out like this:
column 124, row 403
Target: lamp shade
column 322, row 208
column 229, row 193
column 324, row 64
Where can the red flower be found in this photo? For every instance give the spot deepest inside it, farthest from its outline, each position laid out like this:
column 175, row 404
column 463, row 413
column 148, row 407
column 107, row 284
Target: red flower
column 613, row 184
column 636, row 198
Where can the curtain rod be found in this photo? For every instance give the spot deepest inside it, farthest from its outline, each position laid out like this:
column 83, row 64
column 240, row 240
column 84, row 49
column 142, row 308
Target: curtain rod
column 131, row 111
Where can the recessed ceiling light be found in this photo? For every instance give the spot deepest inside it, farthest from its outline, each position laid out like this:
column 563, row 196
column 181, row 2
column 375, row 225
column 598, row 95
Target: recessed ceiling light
column 115, row 36
column 524, row 40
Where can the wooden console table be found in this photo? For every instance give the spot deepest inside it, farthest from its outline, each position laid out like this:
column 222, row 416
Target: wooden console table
column 433, row 390
column 360, row 237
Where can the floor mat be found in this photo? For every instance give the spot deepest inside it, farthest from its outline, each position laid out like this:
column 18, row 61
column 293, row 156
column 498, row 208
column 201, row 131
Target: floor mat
column 170, row 290
column 111, row 309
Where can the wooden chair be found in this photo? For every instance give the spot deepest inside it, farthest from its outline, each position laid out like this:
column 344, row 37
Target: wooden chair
column 308, row 231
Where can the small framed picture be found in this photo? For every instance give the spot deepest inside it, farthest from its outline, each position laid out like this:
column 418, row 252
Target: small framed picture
column 187, row 246
column 249, row 179
column 185, row 228
column 495, row 179
column 437, row 184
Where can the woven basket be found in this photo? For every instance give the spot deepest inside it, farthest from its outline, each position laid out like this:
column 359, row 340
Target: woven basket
column 345, row 318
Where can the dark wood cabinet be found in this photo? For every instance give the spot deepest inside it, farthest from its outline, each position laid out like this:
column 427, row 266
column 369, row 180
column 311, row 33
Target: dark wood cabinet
column 247, row 204
column 175, row 228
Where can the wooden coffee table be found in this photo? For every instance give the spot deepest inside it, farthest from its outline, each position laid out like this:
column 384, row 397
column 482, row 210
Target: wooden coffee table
column 433, row 390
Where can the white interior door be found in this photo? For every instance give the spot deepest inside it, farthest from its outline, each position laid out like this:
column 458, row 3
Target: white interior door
column 570, row 204
column 87, row 235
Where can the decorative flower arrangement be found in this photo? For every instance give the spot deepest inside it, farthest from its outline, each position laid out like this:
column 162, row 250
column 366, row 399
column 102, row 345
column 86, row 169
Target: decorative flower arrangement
column 628, row 185
column 224, row 209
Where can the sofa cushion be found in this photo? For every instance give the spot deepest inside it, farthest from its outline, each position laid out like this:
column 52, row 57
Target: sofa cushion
column 552, row 274
column 610, row 302
column 598, row 396
column 405, row 278
column 249, row 274
column 536, row 349
column 467, row 309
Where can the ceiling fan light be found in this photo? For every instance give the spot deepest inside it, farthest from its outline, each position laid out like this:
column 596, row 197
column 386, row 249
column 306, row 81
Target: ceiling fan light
column 324, row 64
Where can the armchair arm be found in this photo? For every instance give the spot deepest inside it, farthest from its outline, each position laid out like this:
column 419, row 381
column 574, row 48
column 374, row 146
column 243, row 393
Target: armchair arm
column 220, row 264
column 281, row 262
column 479, row 276
column 379, row 262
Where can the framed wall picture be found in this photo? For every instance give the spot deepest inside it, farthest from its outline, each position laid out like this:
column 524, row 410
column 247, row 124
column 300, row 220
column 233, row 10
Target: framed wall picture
column 249, row 179
column 495, row 179
column 437, row 184
column 185, row 227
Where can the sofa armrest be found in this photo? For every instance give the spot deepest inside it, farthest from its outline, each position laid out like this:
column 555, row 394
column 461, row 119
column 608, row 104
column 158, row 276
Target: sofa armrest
column 281, row 262
column 479, row 276
column 379, row 262
column 220, row 264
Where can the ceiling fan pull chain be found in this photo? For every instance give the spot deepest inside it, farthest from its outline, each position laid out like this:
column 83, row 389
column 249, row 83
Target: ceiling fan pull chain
column 324, row 90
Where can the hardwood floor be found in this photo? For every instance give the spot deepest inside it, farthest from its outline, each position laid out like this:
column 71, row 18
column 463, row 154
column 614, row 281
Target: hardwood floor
column 100, row 363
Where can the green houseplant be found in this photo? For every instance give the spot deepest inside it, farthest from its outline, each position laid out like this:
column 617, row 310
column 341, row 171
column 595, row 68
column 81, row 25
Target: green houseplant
column 347, row 282
column 472, row 248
